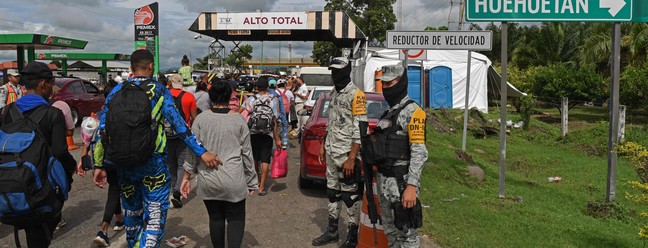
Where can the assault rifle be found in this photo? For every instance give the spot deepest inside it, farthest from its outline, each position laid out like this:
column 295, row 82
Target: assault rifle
column 368, row 177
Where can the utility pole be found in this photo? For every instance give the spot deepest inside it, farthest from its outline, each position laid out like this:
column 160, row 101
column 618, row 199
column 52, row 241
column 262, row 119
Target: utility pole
column 400, row 15
column 460, row 16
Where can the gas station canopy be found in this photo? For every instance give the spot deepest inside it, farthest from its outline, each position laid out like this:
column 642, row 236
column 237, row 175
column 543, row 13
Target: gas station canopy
column 334, row 26
column 83, row 56
column 39, row 42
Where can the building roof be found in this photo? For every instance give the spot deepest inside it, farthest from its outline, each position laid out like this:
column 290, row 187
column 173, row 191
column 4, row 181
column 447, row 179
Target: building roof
column 14, row 65
column 97, row 65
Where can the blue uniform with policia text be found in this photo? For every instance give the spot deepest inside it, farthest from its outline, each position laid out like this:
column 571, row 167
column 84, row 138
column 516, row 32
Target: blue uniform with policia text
column 145, row 188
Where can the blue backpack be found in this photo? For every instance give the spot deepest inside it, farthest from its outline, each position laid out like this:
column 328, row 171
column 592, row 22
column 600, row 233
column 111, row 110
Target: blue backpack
column 33, row 184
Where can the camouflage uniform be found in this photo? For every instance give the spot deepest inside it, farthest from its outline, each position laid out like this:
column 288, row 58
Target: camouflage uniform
column 346, row 109
column 412, row 122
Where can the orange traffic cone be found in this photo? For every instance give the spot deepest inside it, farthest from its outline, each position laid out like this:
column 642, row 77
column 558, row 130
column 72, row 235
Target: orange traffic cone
column 366, row 238
column 70, row 143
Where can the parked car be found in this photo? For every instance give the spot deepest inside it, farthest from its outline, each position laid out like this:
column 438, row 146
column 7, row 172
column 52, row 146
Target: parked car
column 311, row 169
column 314, row 94
column 82, row 96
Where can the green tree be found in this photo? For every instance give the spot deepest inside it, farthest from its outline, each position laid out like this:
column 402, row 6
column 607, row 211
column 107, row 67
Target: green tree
column 238, row 57
column 634, row 87
column 373, row 17
column 578, row 83
column 435, row 28
column 202, row 63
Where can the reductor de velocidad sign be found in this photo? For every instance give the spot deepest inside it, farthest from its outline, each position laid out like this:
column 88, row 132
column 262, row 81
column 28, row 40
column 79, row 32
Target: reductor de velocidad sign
column 440, row 40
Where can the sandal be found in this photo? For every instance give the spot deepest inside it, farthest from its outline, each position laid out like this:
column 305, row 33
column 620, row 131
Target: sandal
column 263, row 193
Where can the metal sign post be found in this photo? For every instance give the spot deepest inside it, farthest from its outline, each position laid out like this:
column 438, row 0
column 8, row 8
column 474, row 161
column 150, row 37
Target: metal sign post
column 466, row 109
column 503, row 95
column 610, row 194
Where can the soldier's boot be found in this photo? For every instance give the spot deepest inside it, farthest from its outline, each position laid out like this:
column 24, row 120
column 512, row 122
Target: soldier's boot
column 331, row 234
column 352, row 237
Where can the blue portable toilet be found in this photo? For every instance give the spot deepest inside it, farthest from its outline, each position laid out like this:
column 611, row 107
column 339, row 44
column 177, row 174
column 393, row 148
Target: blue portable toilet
column 414, row 83
column 440, row 87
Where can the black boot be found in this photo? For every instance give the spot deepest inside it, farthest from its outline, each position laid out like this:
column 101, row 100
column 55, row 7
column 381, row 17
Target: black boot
column 331, row 234
column 352, row 237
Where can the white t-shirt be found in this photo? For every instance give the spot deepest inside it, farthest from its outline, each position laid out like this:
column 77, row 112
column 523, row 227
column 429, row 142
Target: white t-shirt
column 302, row 90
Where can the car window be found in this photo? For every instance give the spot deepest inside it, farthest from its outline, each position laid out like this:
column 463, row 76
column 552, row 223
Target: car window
column 375, row 109
column 317, row 79
column 75, row 87
column 90, row 88
column 317, row 93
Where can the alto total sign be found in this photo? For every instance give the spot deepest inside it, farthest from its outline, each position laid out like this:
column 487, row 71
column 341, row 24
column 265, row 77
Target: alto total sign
column 261, row 21
column 549, row 10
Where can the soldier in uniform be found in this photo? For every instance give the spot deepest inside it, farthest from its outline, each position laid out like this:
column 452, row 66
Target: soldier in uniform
column 341, row 148
column 399, row 176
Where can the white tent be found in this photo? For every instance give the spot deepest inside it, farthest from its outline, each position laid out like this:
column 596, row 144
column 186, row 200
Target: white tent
column 483, row 77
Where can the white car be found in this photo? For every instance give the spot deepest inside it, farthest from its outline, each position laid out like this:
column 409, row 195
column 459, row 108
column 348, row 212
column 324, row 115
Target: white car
column 314, row 94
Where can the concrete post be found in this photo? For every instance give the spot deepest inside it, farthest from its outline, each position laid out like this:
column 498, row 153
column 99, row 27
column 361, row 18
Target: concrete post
column 564, row 117
column 622, row 120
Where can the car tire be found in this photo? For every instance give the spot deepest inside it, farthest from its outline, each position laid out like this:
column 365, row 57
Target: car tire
column 75, row 117
column 304, row 183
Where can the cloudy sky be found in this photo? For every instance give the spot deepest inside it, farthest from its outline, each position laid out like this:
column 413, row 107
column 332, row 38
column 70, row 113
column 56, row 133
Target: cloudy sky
column 107, row 25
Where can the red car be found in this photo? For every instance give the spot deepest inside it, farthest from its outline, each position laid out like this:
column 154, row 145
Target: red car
column 314, row 131
column 82, row 96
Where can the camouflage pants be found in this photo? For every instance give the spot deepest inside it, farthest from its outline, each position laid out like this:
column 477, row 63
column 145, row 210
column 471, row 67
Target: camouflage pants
column 388, row 192
column 333, row 175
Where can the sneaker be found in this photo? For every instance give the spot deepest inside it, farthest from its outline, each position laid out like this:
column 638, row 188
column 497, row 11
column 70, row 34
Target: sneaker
column 176, row 202
column 61, row 223
column 101, row 240
column 119, row 225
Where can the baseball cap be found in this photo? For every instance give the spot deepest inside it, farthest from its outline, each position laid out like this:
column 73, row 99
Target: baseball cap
column 13, row 72
column 391, row 72
column 36, row 70
column 272, row 82
column 338, row 63
column 176, row 81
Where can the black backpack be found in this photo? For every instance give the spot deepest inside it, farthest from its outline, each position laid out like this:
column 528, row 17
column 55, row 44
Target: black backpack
column 130, row 129
column 168, row 128
column 261, row 119
column 33, row 184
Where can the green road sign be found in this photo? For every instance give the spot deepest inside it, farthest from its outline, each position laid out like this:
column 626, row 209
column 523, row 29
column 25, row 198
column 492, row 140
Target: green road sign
column 549, row 10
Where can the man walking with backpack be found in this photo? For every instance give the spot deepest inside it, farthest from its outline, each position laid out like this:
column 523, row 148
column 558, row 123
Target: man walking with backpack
column 32, row 121
column 263, row 128
column 283, row 119
column 134, row 140
column 186, row 104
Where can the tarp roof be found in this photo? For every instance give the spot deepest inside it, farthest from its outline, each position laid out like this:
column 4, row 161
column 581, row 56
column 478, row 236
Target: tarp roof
column 83, row 56
column 334, row 26
column 39, row 42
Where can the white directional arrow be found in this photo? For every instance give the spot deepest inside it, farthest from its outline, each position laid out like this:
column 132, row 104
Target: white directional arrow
column 614, row 5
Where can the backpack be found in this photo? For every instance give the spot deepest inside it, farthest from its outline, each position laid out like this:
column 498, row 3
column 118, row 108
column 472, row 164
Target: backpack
column 168, row 128
column 286, row 101
column 261, row 118
column 130, row 130
column 33, row 184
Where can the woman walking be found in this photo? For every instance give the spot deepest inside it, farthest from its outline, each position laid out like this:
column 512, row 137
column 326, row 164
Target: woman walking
column 223, row 189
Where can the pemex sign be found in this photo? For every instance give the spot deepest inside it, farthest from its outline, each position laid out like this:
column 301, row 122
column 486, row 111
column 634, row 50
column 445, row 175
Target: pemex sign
column 550, row 10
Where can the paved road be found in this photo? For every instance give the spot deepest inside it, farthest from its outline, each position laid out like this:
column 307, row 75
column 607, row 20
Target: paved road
column 286, row 217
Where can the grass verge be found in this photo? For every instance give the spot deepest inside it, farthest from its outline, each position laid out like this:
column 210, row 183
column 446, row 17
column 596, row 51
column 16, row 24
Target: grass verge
column 464, row 212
